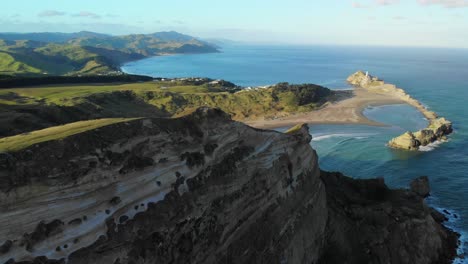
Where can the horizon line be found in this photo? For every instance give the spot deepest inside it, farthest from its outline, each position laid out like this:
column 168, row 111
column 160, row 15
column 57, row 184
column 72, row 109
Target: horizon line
column 247, row 42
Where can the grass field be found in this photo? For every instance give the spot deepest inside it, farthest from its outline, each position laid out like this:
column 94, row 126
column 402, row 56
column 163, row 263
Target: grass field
column 25, row 140
column 172, row 96
column 72, row 94
column 29, row 109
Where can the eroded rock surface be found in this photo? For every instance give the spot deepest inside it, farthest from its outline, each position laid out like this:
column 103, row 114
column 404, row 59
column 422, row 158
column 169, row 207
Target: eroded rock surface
column 203, row 189
column 438, row 127
column 370, row 223
column 421, row 186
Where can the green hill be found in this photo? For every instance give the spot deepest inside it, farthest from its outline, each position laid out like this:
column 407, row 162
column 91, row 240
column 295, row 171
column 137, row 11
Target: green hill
column 32, row 58
column 10, row 65
column 29, row 109
column 147, row 45
column 87, row 53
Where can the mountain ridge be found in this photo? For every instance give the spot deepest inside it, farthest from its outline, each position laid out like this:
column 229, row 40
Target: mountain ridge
column 85, row 53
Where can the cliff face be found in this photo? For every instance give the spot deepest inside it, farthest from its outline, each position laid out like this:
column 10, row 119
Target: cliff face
column 437, row 129
column 370, row 223
column 202, row 189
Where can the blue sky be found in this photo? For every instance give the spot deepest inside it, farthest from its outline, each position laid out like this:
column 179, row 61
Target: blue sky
column 362, row 22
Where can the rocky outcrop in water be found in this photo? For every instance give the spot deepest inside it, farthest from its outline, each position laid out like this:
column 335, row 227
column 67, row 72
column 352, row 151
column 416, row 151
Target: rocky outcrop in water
column 437, row 129
column 203, row 189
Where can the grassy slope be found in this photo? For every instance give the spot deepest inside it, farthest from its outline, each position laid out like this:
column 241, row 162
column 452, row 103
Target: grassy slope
column 54, row 59
column 54, row 133
column 30, row 109
column 10, row 65
column 174, row 98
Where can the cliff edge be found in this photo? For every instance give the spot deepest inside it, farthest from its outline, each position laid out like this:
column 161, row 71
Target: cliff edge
column 437, row 129
column 203, row 189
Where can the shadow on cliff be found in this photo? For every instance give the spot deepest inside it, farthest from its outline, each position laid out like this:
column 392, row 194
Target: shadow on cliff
column 370, row 223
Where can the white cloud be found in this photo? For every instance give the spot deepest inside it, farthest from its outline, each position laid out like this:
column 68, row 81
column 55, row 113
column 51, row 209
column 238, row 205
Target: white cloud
column 445, row 3
column 51, row 13
column 359, row 5
column 87, row 14
column 386, row 2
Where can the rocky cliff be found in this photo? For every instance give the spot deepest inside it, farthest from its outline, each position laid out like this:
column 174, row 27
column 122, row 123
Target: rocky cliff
column 203, row 189
column 438, row 127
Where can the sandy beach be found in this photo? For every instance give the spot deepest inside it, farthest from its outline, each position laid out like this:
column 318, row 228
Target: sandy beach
column 346, row 111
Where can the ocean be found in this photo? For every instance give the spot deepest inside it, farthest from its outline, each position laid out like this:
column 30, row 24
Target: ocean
column 437, row 77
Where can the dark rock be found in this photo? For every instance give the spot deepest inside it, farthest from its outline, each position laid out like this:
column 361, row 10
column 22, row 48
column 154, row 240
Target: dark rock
column 136, row 163
column 6, row 247
column 193, row 159
column 123, row 218
column 370, row 223
column 42, row 260
column 210, row 148
column 115, row 200
column 42, row 231
column 421, row 186
column 76, row 221
column 7, row 161
column 93, row 164
column 438, row 216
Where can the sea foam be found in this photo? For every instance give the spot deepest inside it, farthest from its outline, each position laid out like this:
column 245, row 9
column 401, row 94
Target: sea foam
column 431, row 146
column 327, row 136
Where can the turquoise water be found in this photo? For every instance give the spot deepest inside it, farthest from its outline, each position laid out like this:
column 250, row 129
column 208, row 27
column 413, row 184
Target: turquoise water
column 436, row 77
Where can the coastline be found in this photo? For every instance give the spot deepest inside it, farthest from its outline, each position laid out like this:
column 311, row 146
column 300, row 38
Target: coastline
column 346, row 111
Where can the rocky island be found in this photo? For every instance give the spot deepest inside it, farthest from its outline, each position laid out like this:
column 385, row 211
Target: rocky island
column 437, row 129
column 203, row 188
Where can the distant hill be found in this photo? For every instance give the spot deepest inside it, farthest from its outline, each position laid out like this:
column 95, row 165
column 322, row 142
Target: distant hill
column 148, row 45
column 23, row 57
column 50, row 36
column 86, row 53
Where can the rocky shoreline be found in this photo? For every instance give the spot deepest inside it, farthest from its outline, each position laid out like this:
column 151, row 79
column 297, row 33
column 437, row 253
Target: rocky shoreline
column 205, row 189
column 437, row 129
